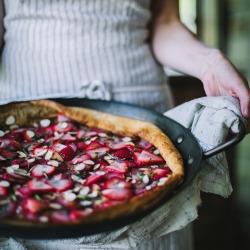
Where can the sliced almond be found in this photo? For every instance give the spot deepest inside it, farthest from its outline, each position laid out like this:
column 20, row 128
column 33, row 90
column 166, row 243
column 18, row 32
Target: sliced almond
column 4, row 184
column 162, row 181
column 10, row 170
column 45, row 122
column 1, row 133
column 21, row 154
column 43, row 219
column 87, row 142
column 58, row 157
column 86, row 203
column 53, row 163
column 13, row 126
column 63, row 125
column 69, row 196
column 89, row 162
column 102, row 134
column 84, row 191
column 94, row 194
column 79, row 166
column 96, row 166
column 126, row 139
column 156, row 152
column 48, row 155
column 145, row 179
column 15, row 167
column 30, row 133
column 55, row 205
column 10, row 120
column 31, row 160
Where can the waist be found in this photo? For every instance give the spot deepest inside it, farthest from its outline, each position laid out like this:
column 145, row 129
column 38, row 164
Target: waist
column 65, row 70
column 92, row 90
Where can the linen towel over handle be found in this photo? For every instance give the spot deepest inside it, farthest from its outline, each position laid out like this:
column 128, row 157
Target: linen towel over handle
column 234, row 139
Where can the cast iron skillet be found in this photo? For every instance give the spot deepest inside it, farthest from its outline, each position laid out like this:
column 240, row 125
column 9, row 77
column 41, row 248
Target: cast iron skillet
column 182, row 138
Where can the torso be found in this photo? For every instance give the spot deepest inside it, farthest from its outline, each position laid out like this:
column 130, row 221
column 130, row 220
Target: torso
column 57, row 49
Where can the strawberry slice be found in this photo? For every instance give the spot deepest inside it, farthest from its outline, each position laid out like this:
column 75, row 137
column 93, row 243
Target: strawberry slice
column 98, row 152
column 67, row 152
column 8, row 209
column 8, row 154
column 63, row 127
column 65, row 203
column 79, row 159
column 4, row 143
column 58, row 146
column 146, row 158
column 116, row 183
column 3, row 192
column 24, row 191
column 39, row 151
column 41, row 170
column 94, row 145
column 117, row 167
column 39, row 186
column 107, row 204
column 78, row 214
column 81, row 145
column 102, row 163
column 15, row 177
column 145, row 144
column 29, row 135
column 116, row 175
column 130, row 163
column 68, row 137
column 140, row 189
column 159, row 173
column 61, row 184
column 80, row 134
column 45, row 131
column 16, row 134
column 94, row 178
column 33, row 206
column 9, row 143
column 22, row 162
column 122, row 153
column 117, row 194
column 60, row 216
column 29, row 216
column 91, row 134
column 120, row 145
column 14, row 145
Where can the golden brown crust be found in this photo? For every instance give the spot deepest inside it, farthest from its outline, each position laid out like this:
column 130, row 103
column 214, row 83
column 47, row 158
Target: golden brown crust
column 30, row 111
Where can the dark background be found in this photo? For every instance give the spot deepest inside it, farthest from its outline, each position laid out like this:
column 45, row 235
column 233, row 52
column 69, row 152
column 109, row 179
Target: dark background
column 222, row 224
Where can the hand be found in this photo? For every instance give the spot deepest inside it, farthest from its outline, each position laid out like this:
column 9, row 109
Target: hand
column 222, row 78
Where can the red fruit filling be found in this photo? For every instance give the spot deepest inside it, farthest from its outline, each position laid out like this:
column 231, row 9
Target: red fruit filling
column 60, row 171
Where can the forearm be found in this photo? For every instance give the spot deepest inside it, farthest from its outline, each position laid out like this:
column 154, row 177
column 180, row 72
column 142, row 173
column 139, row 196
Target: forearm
column 176, row 47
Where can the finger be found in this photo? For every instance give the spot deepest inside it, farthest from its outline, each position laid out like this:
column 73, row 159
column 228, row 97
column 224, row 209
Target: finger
column 244, row 97
column 241, row 90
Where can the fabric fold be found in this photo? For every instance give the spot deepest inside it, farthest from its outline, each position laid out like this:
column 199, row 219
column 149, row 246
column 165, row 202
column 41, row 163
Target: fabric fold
column 210, row 119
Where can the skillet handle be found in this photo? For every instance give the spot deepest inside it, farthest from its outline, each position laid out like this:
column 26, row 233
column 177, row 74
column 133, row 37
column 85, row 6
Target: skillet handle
column 236, row 138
